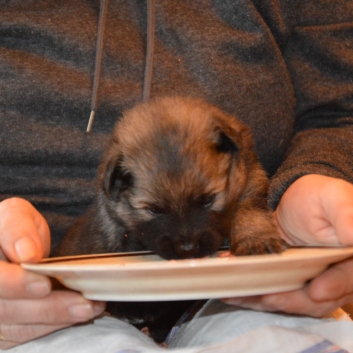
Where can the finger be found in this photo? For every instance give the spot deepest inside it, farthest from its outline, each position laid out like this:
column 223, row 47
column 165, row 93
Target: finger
column 16, row 283
column 343, row 224
column 13, row 335
column 332, row 289
column 289, row 239
column 336, row 200
column 59, row 307
column 295, row 302
column 251, row 302
column 298, row 302
column 334, row 283
column 25, row 235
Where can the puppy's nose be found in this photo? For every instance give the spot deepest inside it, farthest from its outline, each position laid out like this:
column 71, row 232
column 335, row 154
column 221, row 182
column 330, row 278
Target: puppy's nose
column 187, row 247
column 187, row 250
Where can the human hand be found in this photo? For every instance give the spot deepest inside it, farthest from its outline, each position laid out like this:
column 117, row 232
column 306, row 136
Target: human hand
column 315, row 210
column 28, row 306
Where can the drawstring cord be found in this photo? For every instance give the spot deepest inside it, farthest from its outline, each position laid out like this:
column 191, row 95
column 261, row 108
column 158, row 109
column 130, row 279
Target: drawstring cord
column 151, row 29
column 151, row 24
column 98, row 62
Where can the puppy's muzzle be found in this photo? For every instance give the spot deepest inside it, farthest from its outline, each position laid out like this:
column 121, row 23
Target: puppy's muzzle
column 187, row 249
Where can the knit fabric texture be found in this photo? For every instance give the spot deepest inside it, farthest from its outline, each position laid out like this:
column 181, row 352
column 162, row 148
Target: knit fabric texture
column 283, row 67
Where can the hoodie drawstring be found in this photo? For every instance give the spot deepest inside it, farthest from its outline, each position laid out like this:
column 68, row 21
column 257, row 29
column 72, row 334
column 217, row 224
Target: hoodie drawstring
column 151, row 29
column 151, row 24
column 98, row 61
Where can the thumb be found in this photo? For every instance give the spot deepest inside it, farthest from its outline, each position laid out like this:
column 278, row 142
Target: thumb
column 24, row 233
column 343, row 223
column 337, row 199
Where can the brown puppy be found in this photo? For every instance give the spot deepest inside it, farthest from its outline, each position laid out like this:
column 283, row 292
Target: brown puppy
column 179, row 177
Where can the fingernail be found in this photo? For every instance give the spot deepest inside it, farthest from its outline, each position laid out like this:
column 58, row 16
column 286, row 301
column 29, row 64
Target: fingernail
column 274, row 301
column 98, row 307
column 38, row 289
column 81, row 312
column 233, row 301
column 25, row 249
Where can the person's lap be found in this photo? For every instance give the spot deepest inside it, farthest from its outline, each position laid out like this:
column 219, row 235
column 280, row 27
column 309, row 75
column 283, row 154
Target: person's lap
column 215, row 328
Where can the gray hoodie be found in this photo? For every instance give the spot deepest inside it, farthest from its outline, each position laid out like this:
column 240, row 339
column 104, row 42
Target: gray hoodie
column 284, row 67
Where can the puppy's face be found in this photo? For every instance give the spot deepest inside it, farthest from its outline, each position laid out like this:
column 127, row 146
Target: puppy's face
column 173, row 174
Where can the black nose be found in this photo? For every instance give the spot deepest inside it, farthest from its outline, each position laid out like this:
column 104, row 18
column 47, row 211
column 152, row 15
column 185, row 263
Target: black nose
column 187, row 247
column 187, row 250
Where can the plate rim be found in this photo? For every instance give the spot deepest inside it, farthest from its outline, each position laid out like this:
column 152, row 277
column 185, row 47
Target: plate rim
column 63, row 264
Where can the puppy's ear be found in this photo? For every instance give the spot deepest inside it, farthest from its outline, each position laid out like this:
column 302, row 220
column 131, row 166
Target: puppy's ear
column 225, row 144
column 231, row 134
column 115, row 178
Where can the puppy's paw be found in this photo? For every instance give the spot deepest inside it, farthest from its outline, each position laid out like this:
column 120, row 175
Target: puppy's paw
column 255, row 233
column 258, row 245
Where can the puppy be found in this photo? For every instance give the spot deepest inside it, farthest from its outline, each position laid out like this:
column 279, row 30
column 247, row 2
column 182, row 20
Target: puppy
column 179, row 177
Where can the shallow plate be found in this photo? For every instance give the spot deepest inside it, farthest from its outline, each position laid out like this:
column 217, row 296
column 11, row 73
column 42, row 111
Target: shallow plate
column 147, row 277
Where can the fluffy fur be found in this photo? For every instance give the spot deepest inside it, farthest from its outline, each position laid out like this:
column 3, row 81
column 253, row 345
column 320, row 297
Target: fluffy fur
column 180, row 178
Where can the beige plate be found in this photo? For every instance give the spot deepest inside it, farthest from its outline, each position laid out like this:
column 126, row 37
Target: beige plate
column 147, row 277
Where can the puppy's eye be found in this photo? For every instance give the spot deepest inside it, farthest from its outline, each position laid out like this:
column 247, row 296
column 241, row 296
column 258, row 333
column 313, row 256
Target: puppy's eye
column 208, row 202
column 155, row 210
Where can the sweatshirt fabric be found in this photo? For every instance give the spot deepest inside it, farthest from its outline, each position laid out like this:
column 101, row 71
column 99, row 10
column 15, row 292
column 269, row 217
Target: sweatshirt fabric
column 284, row 67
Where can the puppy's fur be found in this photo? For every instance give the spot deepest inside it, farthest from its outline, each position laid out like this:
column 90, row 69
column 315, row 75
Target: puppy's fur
column 179, row 178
